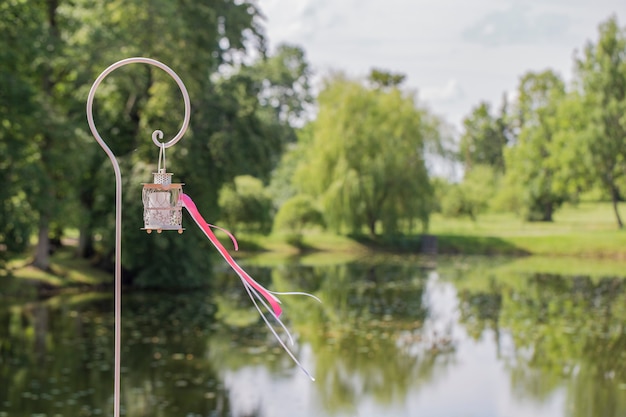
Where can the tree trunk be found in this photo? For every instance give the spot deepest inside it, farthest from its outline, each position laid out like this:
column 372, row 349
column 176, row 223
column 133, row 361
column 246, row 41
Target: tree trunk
column 85, row 248
column 42, row 253
column 615, row 199
column 547, row 213
column 371, row 225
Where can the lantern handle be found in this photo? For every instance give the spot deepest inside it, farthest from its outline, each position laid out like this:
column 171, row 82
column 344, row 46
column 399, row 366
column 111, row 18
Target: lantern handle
column 161, row 158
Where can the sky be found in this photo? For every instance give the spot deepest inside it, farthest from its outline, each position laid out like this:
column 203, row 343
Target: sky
column 454, row 53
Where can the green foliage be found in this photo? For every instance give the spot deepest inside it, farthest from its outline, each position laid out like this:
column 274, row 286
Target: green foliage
column 569, row 159
column 385, row 79
column 231, row 132
column 601, row 73
column 37, row 85
column 440, row 189
column 530, row 162
column 366, row 158
column 282, row 185
column 484, row 138
column 363, row 158
column 472, row 196
column 244, row 122
column 297, row 213
column 246, row 205
column 17, row 121
column 51, row 52
column 156, row 260
column 561, row 143
column 452, row 201
column 285, row 78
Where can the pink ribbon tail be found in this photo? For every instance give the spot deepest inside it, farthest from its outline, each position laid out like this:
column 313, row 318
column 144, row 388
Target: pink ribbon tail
column 206, row 228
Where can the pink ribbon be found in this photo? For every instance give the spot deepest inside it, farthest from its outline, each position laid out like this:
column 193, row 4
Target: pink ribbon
column 206, row 228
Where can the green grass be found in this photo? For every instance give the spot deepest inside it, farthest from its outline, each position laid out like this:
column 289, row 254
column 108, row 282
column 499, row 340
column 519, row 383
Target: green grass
column 584, row 230
column 583, row 217
column 65, row 271
column 315, row 241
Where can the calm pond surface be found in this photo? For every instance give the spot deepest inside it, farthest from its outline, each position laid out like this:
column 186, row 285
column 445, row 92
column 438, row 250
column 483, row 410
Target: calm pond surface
column 391, row 338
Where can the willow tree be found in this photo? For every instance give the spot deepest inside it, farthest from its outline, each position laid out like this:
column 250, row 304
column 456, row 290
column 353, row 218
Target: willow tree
column 366, row 158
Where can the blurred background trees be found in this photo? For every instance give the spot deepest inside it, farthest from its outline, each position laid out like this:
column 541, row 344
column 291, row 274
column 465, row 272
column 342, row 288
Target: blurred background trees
column 262, row 152
column 601, row 78
column 551, row 142
column 243, row 100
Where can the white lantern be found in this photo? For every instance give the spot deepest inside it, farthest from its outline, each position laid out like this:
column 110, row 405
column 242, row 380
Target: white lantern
column 162, row 209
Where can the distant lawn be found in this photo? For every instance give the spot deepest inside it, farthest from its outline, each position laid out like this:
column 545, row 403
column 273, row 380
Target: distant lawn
column 584, row 230
column 315, row 241
column 583, row 217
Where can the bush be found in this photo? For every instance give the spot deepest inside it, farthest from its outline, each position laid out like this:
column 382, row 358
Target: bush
column 472, row 196
column 245, row 205
column 297, row 213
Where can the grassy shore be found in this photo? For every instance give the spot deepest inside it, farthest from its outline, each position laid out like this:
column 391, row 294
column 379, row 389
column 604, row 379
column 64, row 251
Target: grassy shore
column 65, row 271
column 586, row 231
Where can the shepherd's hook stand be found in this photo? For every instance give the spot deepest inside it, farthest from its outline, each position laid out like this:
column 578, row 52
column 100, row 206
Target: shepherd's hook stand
column 156, row 135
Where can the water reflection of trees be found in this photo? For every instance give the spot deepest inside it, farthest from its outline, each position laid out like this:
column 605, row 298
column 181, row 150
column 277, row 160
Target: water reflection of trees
column 368, row 335
column 565, row 331
column 42, row 360
column 165, row 351
column 57, row 357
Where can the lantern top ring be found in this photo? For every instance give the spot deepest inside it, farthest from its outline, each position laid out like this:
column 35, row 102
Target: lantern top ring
column 157, row 134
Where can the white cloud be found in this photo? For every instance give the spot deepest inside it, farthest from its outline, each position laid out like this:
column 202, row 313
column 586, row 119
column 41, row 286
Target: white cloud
column 517, row 25
column 449, row 92
column 482, row 45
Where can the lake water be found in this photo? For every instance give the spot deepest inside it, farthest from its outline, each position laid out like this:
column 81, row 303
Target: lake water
column 393, row 337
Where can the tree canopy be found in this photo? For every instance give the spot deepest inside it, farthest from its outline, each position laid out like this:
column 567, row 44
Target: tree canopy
column 366, row 158
column 243, row 102
column 484, row 138
column 601, row 76
column 362, row 160
column 529, row 163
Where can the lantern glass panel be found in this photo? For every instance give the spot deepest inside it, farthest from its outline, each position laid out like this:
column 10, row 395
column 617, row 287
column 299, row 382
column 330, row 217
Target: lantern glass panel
column 162, row 208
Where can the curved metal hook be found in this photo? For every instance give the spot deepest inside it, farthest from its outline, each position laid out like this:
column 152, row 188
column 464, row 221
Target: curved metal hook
column 156, row 133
